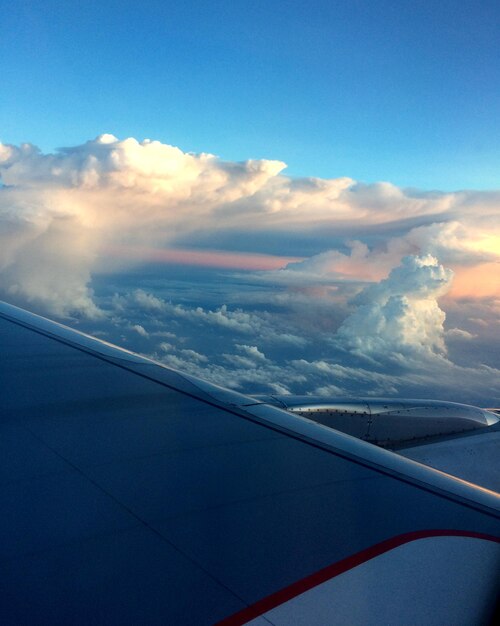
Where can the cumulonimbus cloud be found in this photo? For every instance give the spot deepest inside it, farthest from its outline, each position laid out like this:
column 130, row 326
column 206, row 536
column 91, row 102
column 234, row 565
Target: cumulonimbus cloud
column 61, row 214
column 400, row 317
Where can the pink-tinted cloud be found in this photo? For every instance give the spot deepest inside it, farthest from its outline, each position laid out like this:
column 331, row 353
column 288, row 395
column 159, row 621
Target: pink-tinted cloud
column 62, row 215
column 222, row 259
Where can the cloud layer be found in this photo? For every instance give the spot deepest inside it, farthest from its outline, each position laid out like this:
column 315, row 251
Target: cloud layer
column 375, row 270
column 68, row 209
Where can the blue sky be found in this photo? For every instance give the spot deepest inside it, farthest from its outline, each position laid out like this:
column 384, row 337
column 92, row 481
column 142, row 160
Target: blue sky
column 375, row 90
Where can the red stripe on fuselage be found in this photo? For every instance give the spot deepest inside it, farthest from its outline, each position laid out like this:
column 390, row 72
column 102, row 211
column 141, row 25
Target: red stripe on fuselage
column 321, row 576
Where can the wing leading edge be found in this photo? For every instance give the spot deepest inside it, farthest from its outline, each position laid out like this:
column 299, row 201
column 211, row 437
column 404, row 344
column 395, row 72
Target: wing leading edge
column 132, row 493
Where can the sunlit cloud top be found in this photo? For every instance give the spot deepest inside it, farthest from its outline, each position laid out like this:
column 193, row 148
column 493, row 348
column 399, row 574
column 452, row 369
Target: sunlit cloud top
column 326, row 286
column 63, row 214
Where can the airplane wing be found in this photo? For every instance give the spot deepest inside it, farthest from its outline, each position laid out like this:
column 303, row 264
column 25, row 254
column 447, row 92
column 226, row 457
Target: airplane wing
column 134, row 494
column 455, row 438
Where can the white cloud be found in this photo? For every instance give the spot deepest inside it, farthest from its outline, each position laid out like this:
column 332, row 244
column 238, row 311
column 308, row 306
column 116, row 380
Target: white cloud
column 140, row 330
column 69, row 216
column 458, row 333
column 235, row 320
column 59, row 213
column 411, row 362
column 63, row 216
column 194, row 356
column 163, row 333
column 451, row 242
column 328, row 391
column 400, row 317
column 252, row 351
column 148, row 301
column 166, row 347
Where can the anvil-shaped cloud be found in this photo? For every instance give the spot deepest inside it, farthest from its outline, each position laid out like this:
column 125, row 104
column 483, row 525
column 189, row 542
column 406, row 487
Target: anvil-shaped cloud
column 61, row 214
column 363, row 264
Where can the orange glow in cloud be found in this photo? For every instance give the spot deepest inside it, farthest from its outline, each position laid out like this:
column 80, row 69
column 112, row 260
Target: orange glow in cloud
column 480, row 281
column 202, row 258
column 486, row 243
